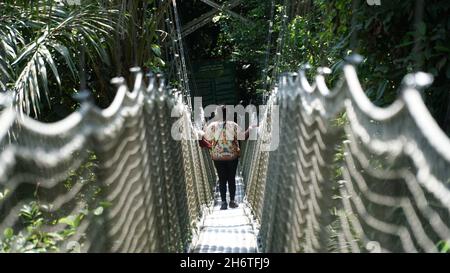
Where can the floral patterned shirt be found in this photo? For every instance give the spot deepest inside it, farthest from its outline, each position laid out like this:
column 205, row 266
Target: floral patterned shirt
column 224, row 140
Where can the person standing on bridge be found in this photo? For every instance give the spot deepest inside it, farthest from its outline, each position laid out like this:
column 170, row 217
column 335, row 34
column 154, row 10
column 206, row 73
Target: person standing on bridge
column 224, row 135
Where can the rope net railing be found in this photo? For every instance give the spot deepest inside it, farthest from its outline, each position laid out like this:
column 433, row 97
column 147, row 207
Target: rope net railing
column 349, row 176
column 111, row 180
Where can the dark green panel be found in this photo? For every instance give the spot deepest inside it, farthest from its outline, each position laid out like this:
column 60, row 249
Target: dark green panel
column 214, row 81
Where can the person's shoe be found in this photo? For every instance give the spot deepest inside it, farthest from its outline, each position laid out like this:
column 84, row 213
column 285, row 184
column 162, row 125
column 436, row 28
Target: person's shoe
column 224, row 205
column 233, row 205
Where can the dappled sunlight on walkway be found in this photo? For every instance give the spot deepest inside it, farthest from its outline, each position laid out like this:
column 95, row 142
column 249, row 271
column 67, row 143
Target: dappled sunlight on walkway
column 229, row 231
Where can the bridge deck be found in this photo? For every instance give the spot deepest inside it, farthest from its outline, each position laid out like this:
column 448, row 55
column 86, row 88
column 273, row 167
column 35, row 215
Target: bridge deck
column 227, row 231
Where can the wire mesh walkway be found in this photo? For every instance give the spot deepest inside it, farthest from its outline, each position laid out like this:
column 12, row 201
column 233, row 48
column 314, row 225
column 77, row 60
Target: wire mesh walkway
column 227, row 231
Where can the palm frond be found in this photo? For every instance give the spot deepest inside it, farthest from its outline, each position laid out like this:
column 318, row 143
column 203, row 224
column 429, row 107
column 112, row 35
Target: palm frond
column 10, row 41
column 61, row 34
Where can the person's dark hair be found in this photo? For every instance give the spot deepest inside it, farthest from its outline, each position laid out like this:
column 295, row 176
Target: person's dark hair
column 223, row 108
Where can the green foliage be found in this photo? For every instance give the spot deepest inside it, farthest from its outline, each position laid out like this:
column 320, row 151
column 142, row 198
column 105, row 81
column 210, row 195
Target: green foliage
column 322, row 33
column 44, row 40
column 34, row 238
column 444, row 246
column 389, row 38
column 245, row 43
column 42, row 44
column 157, row 63
column 44, row 231
column 37, row 238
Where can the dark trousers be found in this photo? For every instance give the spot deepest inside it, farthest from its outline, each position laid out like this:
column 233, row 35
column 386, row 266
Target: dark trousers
column 226, row 170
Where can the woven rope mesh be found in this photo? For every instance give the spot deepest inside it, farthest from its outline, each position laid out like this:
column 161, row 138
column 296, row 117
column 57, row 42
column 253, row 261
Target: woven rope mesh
column 349, row 176
column 346, row 176
column 117, row 173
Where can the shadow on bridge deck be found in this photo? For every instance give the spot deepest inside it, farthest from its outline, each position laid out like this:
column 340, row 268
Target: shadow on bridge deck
column 227, row 231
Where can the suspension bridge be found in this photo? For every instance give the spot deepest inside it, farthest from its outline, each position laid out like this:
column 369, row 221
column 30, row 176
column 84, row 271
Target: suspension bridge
column 346, row 176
